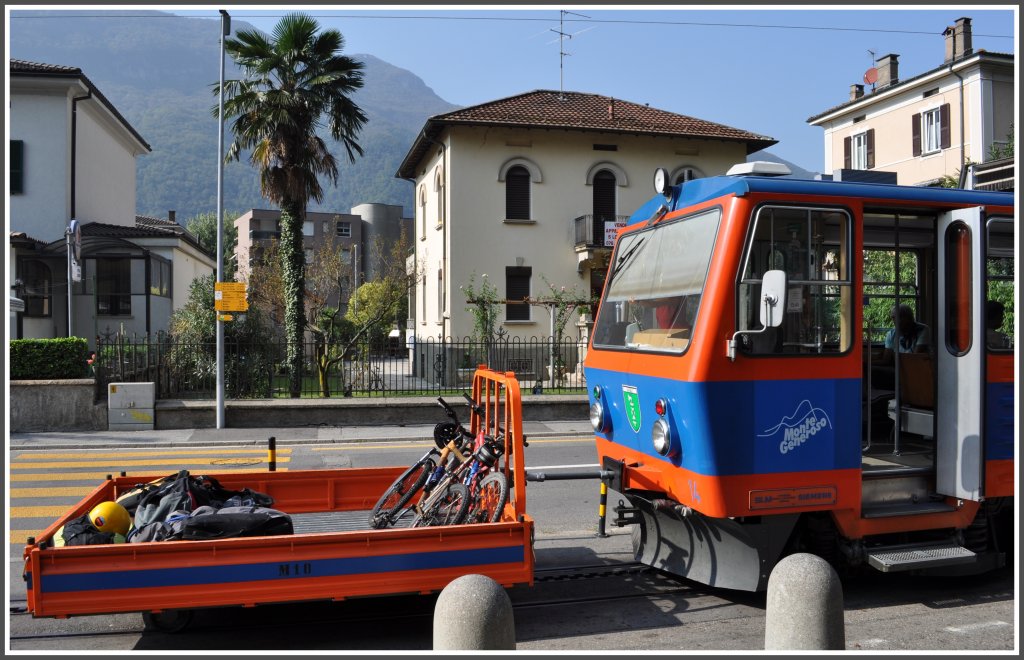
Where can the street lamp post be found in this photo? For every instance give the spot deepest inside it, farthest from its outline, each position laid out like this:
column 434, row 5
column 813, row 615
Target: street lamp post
column 225, row 25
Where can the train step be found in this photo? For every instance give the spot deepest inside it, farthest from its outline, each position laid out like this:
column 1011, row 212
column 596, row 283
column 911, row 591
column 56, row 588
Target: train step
column 913, row 556
column 905, row 509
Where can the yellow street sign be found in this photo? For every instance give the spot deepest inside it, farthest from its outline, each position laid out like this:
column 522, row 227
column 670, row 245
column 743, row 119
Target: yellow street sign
column 225, row 317
column 230, row 297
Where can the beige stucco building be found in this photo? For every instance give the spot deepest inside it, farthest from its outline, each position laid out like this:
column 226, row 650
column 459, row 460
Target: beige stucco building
column 927, row 126
column 525, row 189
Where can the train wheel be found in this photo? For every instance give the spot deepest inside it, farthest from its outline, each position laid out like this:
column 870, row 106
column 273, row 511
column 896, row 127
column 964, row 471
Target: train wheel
column 167, row 621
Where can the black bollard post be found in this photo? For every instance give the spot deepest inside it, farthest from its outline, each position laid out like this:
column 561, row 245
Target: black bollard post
column 272, row 454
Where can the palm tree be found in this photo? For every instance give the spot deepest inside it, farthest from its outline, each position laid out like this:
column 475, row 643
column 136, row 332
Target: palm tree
column 293, row 81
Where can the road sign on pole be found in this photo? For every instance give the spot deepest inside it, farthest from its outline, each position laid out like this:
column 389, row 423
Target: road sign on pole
column 230, row 297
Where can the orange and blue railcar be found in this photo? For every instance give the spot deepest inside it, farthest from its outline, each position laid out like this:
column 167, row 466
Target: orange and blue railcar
column 753, row 397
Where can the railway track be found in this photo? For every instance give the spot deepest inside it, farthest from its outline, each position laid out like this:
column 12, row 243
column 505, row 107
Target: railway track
column 555, row 587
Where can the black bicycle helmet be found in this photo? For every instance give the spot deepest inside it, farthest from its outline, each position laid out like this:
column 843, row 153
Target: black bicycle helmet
column 489, row 452
column 445, row 432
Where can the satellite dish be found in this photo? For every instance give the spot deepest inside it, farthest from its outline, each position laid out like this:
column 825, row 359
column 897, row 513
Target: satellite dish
column 871, row 76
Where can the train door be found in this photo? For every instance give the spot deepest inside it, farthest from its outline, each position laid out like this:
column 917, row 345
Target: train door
column 960, row 354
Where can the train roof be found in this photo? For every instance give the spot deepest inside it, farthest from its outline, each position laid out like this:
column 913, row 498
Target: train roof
column 698, row 191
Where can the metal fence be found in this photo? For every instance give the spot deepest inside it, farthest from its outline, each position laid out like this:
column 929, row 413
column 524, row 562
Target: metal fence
column 442, row 365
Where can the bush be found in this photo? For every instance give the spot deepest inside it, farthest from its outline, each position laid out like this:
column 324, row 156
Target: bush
column 38, row 359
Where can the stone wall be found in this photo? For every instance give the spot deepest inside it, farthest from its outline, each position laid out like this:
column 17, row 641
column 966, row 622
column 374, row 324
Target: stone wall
column 278, row 413
column 56, row 405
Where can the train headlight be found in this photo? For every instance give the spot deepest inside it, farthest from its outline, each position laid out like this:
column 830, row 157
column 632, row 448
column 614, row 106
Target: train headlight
column 598, row 418
column 661, row 436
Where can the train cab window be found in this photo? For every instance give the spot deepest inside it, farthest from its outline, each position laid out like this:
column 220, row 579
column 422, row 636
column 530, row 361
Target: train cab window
column 655, row 285
column 999, row 285
column 813, row 247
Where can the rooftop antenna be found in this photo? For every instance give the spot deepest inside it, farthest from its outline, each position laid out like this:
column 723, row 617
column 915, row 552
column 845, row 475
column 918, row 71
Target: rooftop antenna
column 562, row 36
column 871, row 75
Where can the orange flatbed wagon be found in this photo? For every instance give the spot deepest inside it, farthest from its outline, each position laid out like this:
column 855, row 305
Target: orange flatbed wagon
column 333, row 554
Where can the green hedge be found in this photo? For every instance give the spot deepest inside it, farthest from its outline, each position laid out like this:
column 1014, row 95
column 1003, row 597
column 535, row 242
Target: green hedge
column 37, row 359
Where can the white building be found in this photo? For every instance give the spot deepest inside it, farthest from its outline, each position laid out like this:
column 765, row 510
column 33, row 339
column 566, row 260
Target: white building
column 72, row 157
column 529, row 188
column 927, row 126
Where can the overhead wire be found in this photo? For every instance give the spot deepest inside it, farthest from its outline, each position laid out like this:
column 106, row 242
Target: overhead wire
column 511, row 19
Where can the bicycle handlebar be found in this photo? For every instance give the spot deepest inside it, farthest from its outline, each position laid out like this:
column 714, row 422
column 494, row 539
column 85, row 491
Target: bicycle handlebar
column 473, row 405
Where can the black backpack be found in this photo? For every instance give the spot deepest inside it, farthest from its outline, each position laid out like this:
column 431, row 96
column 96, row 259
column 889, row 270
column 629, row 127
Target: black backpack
column 81, row 531
column 234, row 521
column 185, row 492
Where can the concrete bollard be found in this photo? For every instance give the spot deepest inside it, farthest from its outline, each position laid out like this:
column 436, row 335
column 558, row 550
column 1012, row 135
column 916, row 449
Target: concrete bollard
column 804, row 606
column 473, row 612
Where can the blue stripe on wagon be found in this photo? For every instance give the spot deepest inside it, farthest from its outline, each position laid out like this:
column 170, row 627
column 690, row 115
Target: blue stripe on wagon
column 197, row 575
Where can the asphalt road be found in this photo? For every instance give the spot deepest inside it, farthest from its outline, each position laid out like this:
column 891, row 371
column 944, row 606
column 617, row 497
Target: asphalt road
column 605, row 603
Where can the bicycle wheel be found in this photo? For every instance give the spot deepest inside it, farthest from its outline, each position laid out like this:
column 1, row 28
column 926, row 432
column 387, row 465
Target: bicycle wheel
column 491, row 496
column 389, row 506
column 449, row 508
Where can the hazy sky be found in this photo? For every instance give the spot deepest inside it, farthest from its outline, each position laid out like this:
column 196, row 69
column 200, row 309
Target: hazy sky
column 760, row 70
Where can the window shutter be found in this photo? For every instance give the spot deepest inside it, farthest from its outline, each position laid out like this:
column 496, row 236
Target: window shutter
column 17, row 166
column 915, row 133
column 517, row 287
column 517, row 193
column 944, row 126
column 847, row 153
column 869, row 141
column 604, row 196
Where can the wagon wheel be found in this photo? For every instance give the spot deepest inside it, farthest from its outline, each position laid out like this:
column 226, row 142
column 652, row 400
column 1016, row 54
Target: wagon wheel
column 167, row 621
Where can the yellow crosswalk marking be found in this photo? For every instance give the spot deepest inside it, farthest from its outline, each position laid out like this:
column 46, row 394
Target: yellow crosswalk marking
column 53, row 511
column 20, row 536
column 96, row 477
column 69, row 491
column 31, row 455
column 114, row 462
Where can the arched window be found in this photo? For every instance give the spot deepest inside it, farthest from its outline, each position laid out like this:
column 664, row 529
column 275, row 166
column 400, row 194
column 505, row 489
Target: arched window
column 517, row 193
column 686, row 173
column 423, row 212
column 37, row 282
column 439, row 190
column 604, row 196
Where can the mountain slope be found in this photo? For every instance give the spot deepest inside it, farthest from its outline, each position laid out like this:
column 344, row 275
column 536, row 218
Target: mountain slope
column 158, row 70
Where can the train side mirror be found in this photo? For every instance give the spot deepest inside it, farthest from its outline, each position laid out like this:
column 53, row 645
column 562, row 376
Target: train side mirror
column 773, row 302
column 773, row 298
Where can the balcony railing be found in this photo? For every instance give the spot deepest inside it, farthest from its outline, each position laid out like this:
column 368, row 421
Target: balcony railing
column 261, row 235
column 597, row 230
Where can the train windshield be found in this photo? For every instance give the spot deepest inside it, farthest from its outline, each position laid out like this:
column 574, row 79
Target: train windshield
column 655, row 285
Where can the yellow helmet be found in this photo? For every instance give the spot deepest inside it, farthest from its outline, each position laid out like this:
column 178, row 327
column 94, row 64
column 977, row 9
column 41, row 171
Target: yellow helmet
column 110, row 517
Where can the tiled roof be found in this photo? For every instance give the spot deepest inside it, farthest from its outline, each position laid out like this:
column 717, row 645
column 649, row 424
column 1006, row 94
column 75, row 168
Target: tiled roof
column 158, row 223
column 579, row 111
column 104, row 230
column 22, row 237
column 981, row 54
column 550, row 109
column 23, row 66
column 37, row 69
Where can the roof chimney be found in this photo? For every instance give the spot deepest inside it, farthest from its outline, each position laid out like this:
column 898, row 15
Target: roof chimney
column 611, row 108
column 856, row 91
column 888, row 70
column 958, row 40
column 171, row 216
